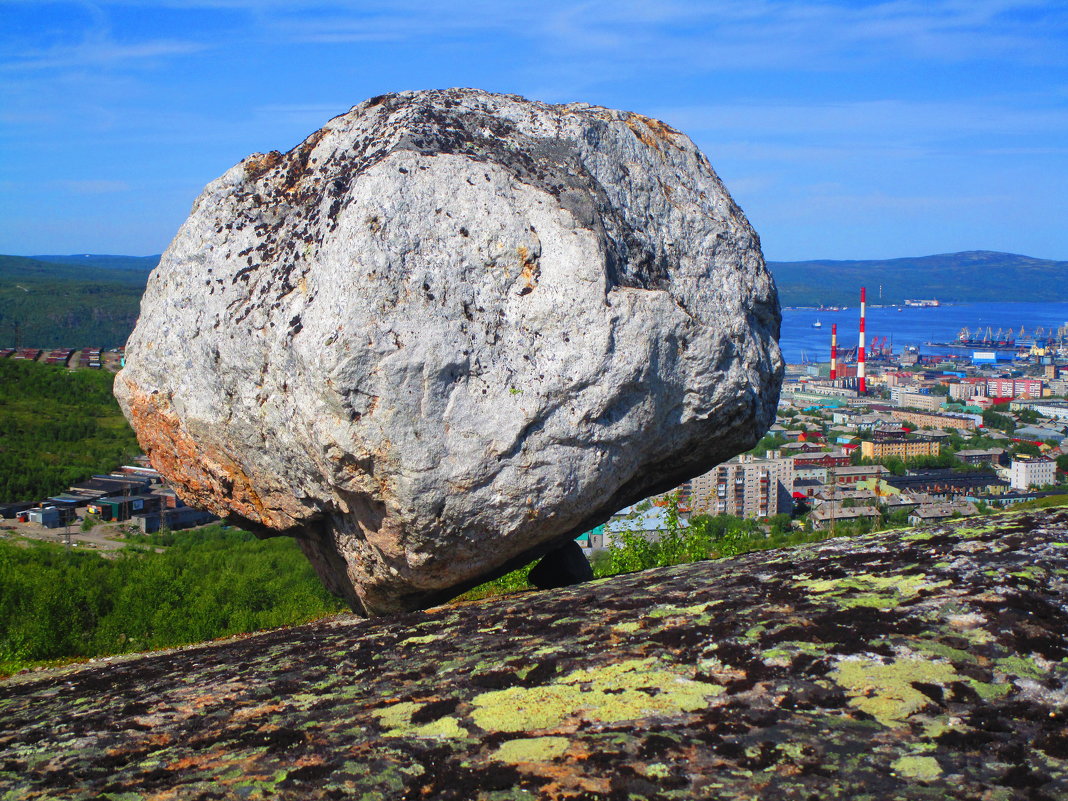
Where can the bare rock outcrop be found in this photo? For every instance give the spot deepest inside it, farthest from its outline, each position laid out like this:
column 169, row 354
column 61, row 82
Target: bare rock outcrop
column 922, row 664
column 449, row 331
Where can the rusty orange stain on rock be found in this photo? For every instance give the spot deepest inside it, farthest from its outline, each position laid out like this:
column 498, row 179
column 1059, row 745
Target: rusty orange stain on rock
column 259, row 163
column 651, row 131
column 202, row 475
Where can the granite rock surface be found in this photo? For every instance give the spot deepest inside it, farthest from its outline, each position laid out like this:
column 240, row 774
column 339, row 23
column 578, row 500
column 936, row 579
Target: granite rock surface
column 921, row 664
column 450, row 331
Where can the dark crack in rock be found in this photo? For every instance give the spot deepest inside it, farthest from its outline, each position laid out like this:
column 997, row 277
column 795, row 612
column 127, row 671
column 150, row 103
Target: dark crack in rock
column 921, row 664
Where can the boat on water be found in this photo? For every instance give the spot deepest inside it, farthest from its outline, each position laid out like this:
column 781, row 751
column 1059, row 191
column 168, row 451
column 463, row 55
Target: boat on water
column 817, row 324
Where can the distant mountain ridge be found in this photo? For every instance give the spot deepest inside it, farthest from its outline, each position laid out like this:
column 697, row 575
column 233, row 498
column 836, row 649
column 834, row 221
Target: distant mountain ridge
column 144, row 263
column 968, row 277
column 93, row 299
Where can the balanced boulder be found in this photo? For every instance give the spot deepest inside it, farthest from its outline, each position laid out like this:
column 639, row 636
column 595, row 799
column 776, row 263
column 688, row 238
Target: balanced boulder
column 450, row 331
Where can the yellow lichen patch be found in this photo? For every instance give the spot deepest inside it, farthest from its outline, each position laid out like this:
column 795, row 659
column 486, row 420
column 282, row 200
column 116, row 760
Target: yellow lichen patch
column 918, row 767
column 885, row 691
column 397, row 719
column 531, row 749
column 425, row 638
column 865, row 589
column 668, row 610
column 627, row 690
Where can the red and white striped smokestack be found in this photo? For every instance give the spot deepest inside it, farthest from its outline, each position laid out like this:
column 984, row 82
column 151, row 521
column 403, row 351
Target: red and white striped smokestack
column 834, row 351
column 861, row 384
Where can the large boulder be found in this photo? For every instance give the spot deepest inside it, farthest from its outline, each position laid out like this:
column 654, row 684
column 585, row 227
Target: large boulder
column 450, row 331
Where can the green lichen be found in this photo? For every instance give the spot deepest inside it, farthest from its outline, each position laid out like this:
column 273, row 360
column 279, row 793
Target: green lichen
column 924, row 768
column 989, row 692
column 1019, row 666
column 867, row 590
column 531, row 749
column 885, row 691
column 918, row 535
column 946, row 652
column 1030, row 572
column 425, row 638
column 667, row 610
column 627, row 690
column 785, row 652
column 657, row 770
column 628, row 627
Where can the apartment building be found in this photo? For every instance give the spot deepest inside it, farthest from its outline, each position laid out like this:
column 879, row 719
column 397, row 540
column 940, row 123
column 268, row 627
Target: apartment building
column 901, row 448
column 966, row 422
column 1014, row 387
column 1036, row 471
column 745, row 486
column 917, row 400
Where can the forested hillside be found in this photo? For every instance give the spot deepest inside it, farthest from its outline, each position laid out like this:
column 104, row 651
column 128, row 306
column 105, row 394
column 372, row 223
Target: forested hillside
column 968, row 277
column 63, row 305
column 57, row 427
column 209, row 583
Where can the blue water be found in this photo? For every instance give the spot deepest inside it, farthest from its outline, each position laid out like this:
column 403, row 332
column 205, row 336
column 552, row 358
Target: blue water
column 910, row 326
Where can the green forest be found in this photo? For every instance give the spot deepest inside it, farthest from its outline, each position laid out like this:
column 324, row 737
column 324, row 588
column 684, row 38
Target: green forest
column 63, row 305
column 58, row 604
column 57, row 427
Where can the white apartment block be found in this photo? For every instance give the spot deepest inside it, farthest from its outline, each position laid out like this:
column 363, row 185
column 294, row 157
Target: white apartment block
column 917, row 400
column 745, row 486
column 1034, row 472
column 966, row 390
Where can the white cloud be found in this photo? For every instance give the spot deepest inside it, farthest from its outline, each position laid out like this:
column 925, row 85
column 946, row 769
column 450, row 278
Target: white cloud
column 100, row 54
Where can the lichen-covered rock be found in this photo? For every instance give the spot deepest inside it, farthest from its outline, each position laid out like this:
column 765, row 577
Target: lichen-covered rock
column 449, row 331
column 925, row 664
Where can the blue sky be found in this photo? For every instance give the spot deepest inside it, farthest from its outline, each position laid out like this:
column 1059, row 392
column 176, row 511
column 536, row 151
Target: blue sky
column 844, row 129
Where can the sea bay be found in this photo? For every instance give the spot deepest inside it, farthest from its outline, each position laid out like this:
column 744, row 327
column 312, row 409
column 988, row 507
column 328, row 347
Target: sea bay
column 909, row 326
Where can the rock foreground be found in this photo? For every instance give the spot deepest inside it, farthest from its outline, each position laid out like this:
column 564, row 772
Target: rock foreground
column 926, row 664
column 450, row 331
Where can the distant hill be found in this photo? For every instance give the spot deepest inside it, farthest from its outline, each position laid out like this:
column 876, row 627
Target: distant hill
column 142, row 263
column 969, row 277
column 68, row 305
column 93, row 299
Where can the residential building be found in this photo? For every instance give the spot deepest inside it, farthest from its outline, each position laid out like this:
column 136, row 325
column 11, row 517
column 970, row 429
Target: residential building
column 946, row 483
column 979, row 456
column 1014, row 387
column 854, row 473
column 833, row 459
column 932, row 513
column 966, row 422
column 1050, row 408
column 746, row 486
column 1035, row 471
column 917, row 400
column 966, row 390
column 902, row 448
column 829, row 513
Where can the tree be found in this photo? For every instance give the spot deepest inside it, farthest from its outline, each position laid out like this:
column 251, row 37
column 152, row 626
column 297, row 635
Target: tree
column 993, row 419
